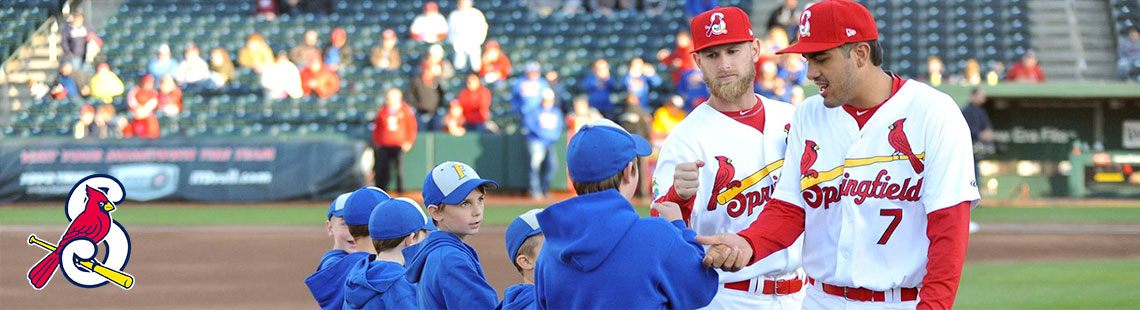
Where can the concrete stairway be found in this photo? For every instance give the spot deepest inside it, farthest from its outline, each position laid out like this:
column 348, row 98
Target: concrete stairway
column 1059, row 47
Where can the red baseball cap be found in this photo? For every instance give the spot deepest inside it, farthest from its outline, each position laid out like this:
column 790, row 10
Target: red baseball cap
column 722, row 25
column 829, row 24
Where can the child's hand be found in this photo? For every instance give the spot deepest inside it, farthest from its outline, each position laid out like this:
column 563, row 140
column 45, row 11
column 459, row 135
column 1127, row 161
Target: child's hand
column 668, row 210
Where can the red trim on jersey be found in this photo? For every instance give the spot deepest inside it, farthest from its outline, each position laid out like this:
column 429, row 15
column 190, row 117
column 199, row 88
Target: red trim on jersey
column 753, row 117
column 686, row 205
column 949, row 233
column 777, row 227
column 863, row 115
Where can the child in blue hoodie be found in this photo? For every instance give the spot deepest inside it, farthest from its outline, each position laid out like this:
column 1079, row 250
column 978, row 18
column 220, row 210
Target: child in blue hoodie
column 327, row 284
column 447, row 271
column 380, row 283
column 335, row 227
column 599, row 253
column 524, row 241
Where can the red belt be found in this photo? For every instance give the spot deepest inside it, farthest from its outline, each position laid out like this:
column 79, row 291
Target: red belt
column 862, row 294
column 771, row 287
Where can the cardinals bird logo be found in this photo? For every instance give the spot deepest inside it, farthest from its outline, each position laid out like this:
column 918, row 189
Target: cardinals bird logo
column 725, row 175
column 810, row 154
column 89, row 208
column 899, row 142
column 716, row 25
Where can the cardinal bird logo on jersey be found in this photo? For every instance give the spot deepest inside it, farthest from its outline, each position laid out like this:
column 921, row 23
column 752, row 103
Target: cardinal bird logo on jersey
column 90, row 209
column 899, row 142
column 810, row 154
column 725, row 174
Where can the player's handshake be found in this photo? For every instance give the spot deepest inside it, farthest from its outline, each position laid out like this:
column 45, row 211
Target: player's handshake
column 686, row 179
column 729, row 252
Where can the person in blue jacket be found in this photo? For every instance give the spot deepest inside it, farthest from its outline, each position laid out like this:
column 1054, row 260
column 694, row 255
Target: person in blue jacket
column 380, row 283
column 327, row 283
column 598, row 84
column 598, row 254
column 524, row 241
column 446, row 271
column 544, row 125
column 526, row 93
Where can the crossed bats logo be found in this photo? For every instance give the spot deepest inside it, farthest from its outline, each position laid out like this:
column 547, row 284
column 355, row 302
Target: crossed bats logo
column 88, row 207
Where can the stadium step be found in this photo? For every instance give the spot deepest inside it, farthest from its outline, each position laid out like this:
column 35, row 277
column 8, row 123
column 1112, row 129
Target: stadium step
column 1057, row 48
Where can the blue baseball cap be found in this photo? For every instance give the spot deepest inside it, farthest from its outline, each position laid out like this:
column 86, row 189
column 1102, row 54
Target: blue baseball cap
column 358, row 207
column 524, row 226
column 336, row 208
column 601, row 149
column 395, row 218
column 451, row 182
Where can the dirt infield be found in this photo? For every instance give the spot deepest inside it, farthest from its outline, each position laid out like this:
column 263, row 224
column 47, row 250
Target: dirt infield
column 263, row 267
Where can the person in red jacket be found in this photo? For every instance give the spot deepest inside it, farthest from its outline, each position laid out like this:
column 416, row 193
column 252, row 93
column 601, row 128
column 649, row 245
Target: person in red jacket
column 496, row 66
column 143, row 101
column 1027, row 70
column 681, row 59
column 394, row 135
column 476, row 103
column 318, row 78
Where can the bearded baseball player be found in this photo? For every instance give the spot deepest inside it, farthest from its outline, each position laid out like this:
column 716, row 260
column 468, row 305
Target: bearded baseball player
column 878, row 178
column 721, row 163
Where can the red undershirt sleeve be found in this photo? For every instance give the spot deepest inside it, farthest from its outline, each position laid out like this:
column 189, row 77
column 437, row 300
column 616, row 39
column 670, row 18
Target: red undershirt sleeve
column 777, row 227
column 671, row 196
column 948, row 231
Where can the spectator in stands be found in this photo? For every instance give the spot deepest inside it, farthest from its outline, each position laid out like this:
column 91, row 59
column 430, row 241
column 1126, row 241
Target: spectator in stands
column 665, row 118
column 255, row 54
column 797, row 95
column 281, row 79
column 771, row 85
column 386, row 56
column 581, row 115
column 338, row 54
column 193, row 71
column 637, row 121
column 453, row 121
column 426, row 96
column 527, row 92
column 308, row 51
column 693, row 88
column 109, row 124
column 496, row 66
column 972, row 73
column 543, row 126
column 475, row 102
column 265, row 9
column 934, row 70
column 468, row 31
column 85, row 128
column 437, row 63
column 291, row 7
column 1129, row 51
column 221, row 67
column 74, row 39
column 394, row 133
column 996, row 73
column 598, row 85
column 105, row 84
column 793, row 69
column 785, row 17
column 143, row 94
column 320, row 80
column 1027, row 70
column 162, row 64
column 94, row 47
column 429, row 27
column 559, row 90
column 169, row 97
column 143, row 103
column 681, row 59
column 71, row 82
column 639, row 80
column 694, row 7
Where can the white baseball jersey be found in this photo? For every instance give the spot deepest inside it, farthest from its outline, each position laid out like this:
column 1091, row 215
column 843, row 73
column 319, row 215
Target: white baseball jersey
column 866, row 192
column 739, row 176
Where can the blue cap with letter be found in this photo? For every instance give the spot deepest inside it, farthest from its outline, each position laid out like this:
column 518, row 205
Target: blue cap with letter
column 451, row 182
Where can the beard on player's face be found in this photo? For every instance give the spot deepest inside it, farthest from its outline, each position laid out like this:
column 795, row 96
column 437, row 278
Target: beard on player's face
column 731, row 89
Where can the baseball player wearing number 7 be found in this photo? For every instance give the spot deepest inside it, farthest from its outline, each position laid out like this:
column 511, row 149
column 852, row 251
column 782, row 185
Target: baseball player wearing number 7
column 722, row 162
column 878, row 178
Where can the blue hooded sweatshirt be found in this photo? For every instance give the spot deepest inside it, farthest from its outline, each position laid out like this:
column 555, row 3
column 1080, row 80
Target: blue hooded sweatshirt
column 448, row 275
column 327, row 284
column 543, row 124
column 378, row 285
column 627, row 262
column 518, row 297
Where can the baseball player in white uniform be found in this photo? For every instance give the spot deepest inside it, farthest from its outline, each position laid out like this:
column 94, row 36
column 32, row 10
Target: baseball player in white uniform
column 721, row 163
column 878, row 177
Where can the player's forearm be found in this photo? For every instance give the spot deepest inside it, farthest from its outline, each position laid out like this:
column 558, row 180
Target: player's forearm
column 948, row 231
column 777, row 228
column 685, row 204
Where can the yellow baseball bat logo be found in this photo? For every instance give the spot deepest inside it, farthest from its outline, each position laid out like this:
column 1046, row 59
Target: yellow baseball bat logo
column 808, row 182
column 727, row 195
column 118, row 277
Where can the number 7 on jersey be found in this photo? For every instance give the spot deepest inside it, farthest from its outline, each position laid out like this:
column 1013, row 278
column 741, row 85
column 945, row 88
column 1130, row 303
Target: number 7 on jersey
column 897, row 217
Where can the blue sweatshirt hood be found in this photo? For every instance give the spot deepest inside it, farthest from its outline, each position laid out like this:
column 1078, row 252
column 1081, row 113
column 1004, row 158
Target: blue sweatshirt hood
column 369, row 280
column 327, row 284
column 518, row 297
column 435, row 240
column 586, row 244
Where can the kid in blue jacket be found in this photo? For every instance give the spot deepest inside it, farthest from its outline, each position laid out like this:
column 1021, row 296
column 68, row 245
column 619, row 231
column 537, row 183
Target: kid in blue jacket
column 598, row 253
column 447, row 271
column 380, row 283
column 327, row 284
column 524, row 241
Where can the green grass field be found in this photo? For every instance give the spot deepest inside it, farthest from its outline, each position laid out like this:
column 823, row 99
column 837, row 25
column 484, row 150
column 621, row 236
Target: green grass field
column 1085, row 284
